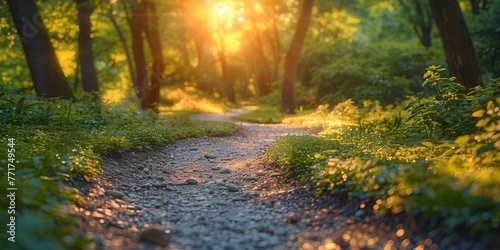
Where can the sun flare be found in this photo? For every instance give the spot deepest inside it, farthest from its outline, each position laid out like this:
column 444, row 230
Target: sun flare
column 223, row 16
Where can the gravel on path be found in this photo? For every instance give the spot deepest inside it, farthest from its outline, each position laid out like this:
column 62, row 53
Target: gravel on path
column 218, row 193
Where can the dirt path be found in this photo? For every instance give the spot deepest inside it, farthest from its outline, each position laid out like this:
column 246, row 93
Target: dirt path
column 216, row 193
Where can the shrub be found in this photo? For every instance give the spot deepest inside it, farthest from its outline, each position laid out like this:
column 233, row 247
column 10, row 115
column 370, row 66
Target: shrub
column 56, row 144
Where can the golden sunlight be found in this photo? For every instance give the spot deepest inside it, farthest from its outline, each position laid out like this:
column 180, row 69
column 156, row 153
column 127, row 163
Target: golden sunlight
column 67, row 61
column 113, row 96
column 224, row 15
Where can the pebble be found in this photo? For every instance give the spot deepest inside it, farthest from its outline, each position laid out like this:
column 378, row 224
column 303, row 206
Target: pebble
column 192, row 181
column 359, row 213
column 276, row 175
column 229, row 211
column 232, row 187
column 225, row 171
column 210, row 156
column 294, row 218
column 159, row 185
column 250, row 178
column 261, row 173
column 265, row 185
column 155, row 236
column 115, row 194
column 268, row 203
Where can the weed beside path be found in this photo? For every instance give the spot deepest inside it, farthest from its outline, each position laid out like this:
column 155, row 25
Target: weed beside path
column 218, row 193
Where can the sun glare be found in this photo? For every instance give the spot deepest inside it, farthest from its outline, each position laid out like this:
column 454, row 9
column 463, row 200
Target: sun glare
column 224, row 15
column 222, row 9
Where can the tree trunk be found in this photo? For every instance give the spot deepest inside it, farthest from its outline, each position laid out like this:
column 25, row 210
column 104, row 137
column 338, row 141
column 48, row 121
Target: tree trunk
column 225, row 74
column 85, row 52
column 459, row 50
column 275, row 42
column 48, row 78
column 424, row 19
column 292, row 58
column 181, row 33
column 478, row 5
column 420, row 17
column 153, row 38
column 124, row 45
column 136, row 23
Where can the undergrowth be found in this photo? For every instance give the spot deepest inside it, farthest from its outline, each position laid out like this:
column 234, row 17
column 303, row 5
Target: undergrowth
column 431, row 158
column 55, row 144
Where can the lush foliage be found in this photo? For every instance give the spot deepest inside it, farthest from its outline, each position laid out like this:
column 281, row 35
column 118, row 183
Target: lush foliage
column 58, row 144
column 357, row 50
column 453, row 184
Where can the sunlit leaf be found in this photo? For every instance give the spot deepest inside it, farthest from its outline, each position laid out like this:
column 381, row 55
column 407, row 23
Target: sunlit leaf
column 490, row 126
column 427, row 144
column 462, row 140
column 479, row 113
column 483, row 122
column 86, row 178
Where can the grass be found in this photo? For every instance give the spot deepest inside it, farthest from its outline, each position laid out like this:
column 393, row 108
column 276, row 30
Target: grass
column 266, row 115
column 56, row 144
column 392, row 164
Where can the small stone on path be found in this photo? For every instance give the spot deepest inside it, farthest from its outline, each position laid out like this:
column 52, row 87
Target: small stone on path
column 115, row 194
column 191, row 181
column 275, row 174
column 260, row 173
column 225, row 171
column 265, row 185
column 210, row 156
column 232, row 187
column 155, row 236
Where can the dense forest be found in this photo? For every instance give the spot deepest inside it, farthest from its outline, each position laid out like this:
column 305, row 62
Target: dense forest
column 406, row 92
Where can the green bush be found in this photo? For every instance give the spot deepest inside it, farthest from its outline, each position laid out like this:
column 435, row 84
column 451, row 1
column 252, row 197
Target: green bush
column 400, row 169
column 57, row 144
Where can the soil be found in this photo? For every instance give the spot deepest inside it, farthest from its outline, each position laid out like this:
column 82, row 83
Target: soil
column 219, row 193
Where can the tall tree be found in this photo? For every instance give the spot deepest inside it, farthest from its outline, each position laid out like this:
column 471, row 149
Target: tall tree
column 459, row 50
column 478, row 5
column 221, row 52
column 85, row 52
column 153, row 38
column 48, row 78
column 292, row 58
column 144, row 24
column 124, row 45
column 420, row 15
column 136, row 23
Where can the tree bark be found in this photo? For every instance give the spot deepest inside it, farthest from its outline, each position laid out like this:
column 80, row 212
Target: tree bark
column 124, row 45
column 478, row 5
column 459, row 50
column 292, row 58
column 153, row 39
column 421, row 20
column 85, row 52
column 48, row 78
column 136, row 23
column 225, row 74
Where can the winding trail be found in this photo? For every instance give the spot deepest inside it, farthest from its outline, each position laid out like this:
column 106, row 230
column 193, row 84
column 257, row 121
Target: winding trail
column 217, row 193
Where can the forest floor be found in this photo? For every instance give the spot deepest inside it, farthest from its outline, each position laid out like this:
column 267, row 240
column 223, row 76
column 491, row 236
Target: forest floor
column 218, row 193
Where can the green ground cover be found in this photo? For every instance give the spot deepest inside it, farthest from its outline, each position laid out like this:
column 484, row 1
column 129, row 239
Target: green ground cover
column 57, row 144
column 435, row 158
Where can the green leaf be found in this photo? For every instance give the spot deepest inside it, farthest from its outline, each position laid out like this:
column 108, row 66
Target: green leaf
column 479, row 113
column 427, row 144
column 487, row 148
column 483, row 122
column 462, row 140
